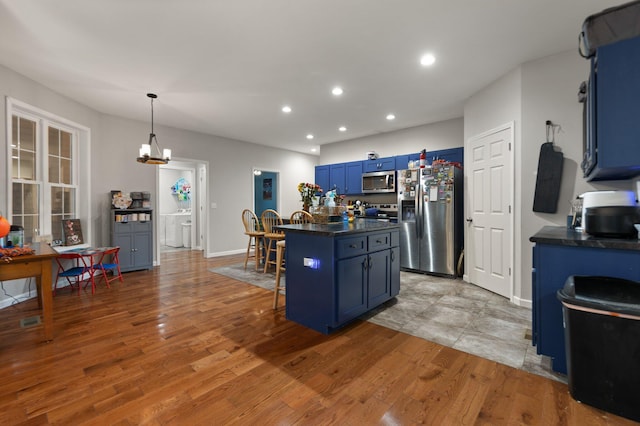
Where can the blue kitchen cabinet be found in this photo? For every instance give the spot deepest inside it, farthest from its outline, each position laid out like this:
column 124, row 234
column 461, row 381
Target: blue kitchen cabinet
column 337, row 177
column 322, row 177
column 379, row 165
column 453, row 155
column 354, row 178
column 337, row 272
column 559, row 253
column 614, row 154
column 346, row 178
column 402, row 161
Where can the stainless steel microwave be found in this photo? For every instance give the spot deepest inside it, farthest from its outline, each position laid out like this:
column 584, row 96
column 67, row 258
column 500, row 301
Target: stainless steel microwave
column 377, row 182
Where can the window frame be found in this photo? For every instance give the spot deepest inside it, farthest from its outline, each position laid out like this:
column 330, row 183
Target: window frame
column 80, row 174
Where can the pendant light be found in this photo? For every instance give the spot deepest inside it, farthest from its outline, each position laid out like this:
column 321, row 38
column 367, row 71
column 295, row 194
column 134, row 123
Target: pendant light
column 146, row 157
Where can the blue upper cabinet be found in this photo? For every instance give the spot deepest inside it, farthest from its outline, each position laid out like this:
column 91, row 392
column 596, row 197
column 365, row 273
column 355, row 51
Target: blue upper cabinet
column 345, row 177
column 453, row 155
column 354, row 178
column 337, row 178
column 402, row 161
column 615, row 122
column 379, row 165
column 322, row 177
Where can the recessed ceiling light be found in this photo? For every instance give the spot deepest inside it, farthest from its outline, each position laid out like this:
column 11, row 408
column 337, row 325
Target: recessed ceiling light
column 286, row 109
column 309, row 136
column 427, row 60
column 313, row 150
column 337, row 91
column 342, row 128
column 391, row 117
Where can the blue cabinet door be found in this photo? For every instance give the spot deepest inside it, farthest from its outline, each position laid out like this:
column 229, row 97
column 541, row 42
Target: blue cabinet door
column 351, row 288
column 617, row 127
column 379, row 165
column 337, row 178
column 379, row 267
column 454, row 155
column 354, row 178
column 402, row 161
column 322, row 177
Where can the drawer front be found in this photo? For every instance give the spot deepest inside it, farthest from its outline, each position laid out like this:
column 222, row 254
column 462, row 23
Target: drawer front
column 379, row 241
column 349, row 247
column 128, row 227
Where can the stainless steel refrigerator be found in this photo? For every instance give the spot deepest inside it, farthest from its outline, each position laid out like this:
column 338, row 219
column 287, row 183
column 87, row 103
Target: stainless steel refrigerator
column 430, row 216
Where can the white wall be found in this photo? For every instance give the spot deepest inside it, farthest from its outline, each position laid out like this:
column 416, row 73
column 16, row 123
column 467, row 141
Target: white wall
column 167, row 200
column 498, row 104
column 537, row 91
column 441, row 135
column 114, row 147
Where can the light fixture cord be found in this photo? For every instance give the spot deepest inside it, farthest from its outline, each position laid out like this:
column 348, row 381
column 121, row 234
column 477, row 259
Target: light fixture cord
column 152, row 135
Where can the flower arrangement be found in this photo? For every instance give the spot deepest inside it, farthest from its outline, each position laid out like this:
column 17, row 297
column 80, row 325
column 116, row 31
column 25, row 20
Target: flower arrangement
column 307, row 192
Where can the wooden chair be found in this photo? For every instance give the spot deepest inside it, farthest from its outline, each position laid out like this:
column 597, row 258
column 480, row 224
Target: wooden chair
column 109, row 261
column 256, row 236
column 299, row 216
column 270, row 219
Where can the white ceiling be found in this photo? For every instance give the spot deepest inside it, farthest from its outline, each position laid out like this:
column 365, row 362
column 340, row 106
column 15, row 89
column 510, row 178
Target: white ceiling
column 226, row 67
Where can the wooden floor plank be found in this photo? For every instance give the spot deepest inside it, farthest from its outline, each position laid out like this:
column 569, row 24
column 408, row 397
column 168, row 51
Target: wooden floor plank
column 183, row 345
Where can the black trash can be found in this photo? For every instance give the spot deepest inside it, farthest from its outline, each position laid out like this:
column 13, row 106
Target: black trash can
column 602, row 340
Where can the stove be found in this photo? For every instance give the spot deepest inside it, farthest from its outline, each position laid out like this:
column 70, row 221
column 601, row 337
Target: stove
column 385, row 211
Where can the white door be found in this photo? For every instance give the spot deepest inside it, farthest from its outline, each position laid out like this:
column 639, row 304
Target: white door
column 489, row 247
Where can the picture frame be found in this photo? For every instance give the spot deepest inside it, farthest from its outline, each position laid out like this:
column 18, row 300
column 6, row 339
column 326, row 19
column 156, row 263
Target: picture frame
column 72, row 232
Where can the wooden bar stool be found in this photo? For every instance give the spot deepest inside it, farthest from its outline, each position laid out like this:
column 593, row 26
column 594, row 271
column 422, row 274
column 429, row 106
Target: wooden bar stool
column 271, row 219
column 299, row 216
column 252, row 229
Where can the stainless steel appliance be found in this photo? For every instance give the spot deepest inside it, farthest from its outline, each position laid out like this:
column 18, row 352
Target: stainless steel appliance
column 430, row 216
column 383, row 212
column 379, row 182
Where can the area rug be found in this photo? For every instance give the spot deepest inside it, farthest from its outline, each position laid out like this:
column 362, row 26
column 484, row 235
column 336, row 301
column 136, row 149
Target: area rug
column 447, row 311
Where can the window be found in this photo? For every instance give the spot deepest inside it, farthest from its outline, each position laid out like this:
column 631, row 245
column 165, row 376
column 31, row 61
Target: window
column 45, row 154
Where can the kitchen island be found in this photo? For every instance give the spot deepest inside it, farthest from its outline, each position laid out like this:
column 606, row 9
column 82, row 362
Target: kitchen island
column 338, row 271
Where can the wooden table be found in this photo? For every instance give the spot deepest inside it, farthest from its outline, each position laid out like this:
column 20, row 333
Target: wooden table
column 36, row 265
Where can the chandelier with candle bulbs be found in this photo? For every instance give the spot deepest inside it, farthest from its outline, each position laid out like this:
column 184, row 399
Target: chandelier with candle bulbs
column 159, row 156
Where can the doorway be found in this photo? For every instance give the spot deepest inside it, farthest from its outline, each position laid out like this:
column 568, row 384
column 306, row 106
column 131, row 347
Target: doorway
column 180, row 216
column 265, row 191
column 489, row 241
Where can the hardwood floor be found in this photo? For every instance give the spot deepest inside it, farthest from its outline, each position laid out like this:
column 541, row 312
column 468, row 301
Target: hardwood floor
column 182, row 345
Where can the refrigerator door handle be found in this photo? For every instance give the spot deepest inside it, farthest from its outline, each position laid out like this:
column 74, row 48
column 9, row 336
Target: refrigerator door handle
column 419, row 210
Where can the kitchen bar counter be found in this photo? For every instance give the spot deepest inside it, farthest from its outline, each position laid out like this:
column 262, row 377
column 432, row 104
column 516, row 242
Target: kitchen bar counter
column 338, row 271
column 559, row 253
column 334, row 229
column 560, row 235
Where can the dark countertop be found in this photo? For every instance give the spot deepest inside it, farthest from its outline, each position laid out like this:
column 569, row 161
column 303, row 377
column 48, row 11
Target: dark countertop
column 560, row 235
column 339, row 229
